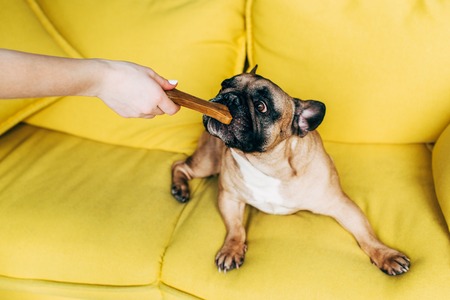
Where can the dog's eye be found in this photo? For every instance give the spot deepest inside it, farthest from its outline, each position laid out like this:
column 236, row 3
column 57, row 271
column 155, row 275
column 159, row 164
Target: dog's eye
column 261, row 106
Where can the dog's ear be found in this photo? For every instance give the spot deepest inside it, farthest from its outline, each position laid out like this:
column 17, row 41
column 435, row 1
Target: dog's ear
column 308, row 116
column 253, row 71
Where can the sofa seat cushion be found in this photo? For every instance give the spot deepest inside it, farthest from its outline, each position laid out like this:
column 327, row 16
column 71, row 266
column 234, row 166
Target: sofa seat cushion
column 306, row 256
column 97, row 221
column 78, row 211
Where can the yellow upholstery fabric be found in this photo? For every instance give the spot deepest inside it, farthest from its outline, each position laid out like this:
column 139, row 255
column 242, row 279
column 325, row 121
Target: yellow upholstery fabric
column 15, row 110
column 382, row 67
column 441, row 172
column 80, row 223
column 176, row 44
column 82, row 210
column 103, row 207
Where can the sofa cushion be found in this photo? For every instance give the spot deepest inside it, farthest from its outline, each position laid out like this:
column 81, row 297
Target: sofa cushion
column 16, row 110
column 92, row 215
column 22, row 30
column 306, row 256
column 381, row 67
column 198, row 42
column 79, row 211
column 441, row 172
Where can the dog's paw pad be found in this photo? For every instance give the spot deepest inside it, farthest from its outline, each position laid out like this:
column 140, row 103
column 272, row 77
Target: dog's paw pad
column 230, row 258
column 180, row 193
column 394, row 264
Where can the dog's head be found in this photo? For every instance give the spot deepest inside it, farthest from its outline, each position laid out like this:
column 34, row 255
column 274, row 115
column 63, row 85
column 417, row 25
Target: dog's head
column 263, row 114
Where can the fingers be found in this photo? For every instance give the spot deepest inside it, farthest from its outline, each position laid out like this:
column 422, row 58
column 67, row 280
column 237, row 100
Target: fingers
column 150, row 115
column 135, row 91
column 164, row 83
column 166, row 105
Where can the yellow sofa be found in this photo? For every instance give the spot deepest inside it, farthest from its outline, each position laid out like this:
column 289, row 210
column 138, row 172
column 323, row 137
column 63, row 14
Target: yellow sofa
column 85, row 204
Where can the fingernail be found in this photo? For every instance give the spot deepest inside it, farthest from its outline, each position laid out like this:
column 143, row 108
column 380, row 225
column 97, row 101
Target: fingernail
column 173, row 81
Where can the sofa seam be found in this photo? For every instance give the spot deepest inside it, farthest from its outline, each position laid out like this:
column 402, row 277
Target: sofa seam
column 160, row 281
column 25, row 112
column 50, row 28
column 249, row 34
column 176, row 289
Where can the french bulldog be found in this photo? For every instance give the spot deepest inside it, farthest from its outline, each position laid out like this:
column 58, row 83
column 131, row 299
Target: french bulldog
column 271, row 157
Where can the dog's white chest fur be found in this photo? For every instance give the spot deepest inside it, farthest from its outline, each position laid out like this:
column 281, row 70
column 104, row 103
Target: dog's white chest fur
column 265, row 190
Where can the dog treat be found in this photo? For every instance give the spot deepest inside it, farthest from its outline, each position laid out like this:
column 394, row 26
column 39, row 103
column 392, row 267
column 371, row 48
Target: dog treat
column 215, row 110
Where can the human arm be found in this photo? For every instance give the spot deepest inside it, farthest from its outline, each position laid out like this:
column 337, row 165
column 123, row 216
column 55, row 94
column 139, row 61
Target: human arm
column 129, row 89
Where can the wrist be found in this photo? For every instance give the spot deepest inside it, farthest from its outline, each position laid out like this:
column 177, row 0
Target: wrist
column 96, row 72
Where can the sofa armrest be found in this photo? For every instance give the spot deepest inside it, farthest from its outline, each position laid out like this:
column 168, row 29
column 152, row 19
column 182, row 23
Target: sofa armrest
column 441, row 172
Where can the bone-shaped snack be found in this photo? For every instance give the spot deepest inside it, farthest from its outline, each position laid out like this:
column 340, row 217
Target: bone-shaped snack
column 215, row 110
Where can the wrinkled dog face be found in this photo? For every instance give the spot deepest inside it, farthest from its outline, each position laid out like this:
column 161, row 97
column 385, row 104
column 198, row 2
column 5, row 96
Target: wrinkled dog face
column 254, row 113
column 263, row 114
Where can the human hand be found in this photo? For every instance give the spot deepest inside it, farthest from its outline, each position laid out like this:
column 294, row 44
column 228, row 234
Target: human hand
column 132, row 90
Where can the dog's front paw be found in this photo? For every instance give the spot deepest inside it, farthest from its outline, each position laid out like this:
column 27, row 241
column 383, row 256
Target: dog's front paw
column 181, row 192
column 392, row 262
column 231, row 257
column 180, row 185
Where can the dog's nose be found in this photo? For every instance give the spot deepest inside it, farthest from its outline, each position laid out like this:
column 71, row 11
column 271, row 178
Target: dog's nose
column 232, row 98
column 217, row 98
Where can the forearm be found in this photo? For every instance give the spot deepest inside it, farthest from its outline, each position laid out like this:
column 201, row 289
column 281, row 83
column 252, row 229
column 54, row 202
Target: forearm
column 131, row 90
column 25, row 75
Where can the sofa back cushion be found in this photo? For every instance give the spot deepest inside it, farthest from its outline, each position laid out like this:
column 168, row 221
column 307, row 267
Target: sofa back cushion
column 23, row 31
column 198, row 42
column 382, row 67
